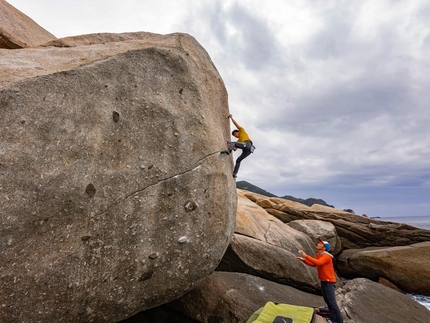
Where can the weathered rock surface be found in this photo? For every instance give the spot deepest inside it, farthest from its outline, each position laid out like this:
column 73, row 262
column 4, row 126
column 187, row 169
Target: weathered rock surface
column 233, row 297
column 112, row 198
column 354, row 231
column 251, row 256
column 407, row 267
column 364, row 301
column 253, row 221
column 18, row 30
column 266, row 247
column 319, row 229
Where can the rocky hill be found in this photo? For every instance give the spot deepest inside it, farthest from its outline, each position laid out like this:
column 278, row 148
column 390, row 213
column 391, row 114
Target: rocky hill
column 255, row 189
column 309, row 201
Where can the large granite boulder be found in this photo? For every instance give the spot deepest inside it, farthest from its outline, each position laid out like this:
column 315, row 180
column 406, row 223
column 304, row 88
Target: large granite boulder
column 364, row 301
column 113, row 195
column 233, row 297
column 407, row 267
column 18, row 30
column 354, row 231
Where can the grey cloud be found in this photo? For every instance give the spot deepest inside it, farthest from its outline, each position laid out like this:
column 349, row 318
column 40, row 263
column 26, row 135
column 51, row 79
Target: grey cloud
column 334, row 38
column 253, row 44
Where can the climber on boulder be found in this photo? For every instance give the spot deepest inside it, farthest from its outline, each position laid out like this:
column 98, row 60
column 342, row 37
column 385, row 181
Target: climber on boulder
column 243, row 142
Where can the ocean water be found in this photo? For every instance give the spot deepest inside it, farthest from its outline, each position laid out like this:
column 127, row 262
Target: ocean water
column 422, row 222
column 423, row 300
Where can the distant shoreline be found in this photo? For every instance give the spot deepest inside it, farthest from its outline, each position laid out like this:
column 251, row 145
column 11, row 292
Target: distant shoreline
column 399, row 216
column 419, row 221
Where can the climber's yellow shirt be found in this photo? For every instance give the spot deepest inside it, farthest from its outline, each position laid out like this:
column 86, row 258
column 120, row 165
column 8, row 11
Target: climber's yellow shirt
column 243, row 136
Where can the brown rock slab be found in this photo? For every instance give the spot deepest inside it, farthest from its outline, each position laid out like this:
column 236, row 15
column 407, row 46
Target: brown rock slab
column 18, row 30
column 253, row 221
column 407, row 267
column 317, row 229
column 364, row 301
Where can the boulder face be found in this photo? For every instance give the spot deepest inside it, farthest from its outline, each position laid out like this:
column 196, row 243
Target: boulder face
column 363, row 301
column 113, row 196
column 18, row 30
column 407, row 267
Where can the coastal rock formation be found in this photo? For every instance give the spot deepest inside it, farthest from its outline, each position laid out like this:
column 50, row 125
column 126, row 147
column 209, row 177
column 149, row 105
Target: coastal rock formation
column 113, row 200
column 354, row 231
column 233, row 297
column 407, row 267
column 359, row 298
column 18, row 30
column 364, row 301
column 259, row 253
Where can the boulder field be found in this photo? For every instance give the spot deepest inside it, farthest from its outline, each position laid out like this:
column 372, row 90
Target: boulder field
column 259, row 266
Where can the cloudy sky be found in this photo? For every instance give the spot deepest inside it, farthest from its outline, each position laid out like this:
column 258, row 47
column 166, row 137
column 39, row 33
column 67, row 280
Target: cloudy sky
column 335, row 94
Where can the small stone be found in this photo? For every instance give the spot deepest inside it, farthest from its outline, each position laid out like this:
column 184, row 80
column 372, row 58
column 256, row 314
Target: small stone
column 146, row 276
column 183, row 239
column 153, row 255
column 190, row 206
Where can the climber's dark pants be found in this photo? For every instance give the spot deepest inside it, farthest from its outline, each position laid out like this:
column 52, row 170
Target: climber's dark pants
column 246, row 151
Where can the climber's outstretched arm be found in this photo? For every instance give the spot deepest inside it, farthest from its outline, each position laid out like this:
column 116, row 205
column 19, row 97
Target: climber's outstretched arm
column 234, row 121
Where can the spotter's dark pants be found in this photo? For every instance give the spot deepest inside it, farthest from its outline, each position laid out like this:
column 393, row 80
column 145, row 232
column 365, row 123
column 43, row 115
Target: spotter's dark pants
column 329, row 295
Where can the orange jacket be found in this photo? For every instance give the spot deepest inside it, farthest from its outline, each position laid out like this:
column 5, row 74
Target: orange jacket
column 324, row 263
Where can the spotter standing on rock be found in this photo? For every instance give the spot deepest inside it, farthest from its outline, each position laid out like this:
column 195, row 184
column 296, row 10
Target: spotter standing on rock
column 243, row 142
column 324, row 263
